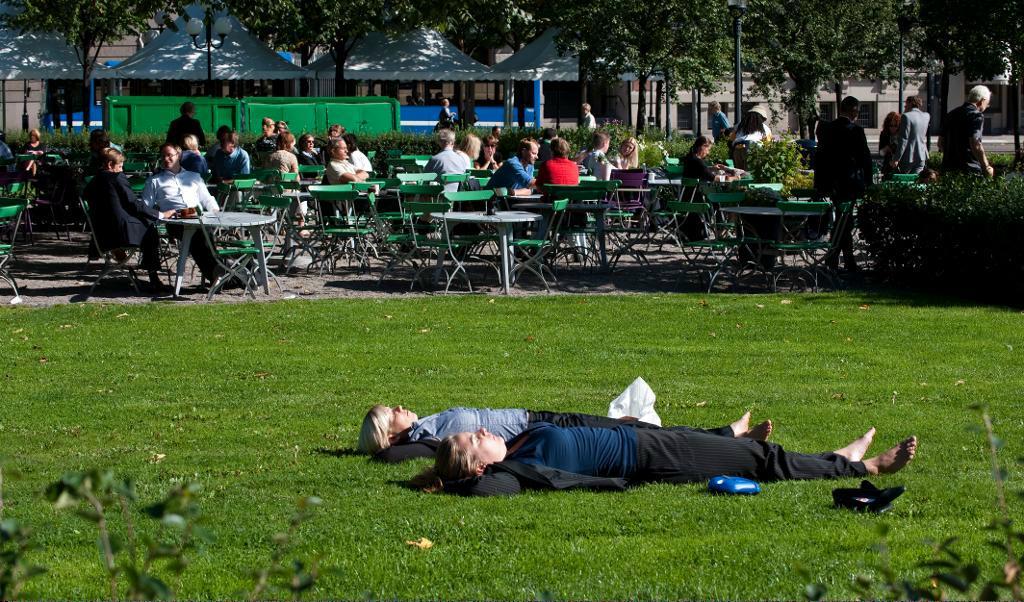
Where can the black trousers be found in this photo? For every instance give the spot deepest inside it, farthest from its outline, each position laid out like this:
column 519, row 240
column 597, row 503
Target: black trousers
column 603, row 422
column 150, row 246
column 198, row 249
column 682, row 455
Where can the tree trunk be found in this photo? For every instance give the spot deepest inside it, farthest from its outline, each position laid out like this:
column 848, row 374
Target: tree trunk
column 641, row 105
column 1015, row 90
column 305, row 84
column 839, row 95
column 340, row 52
column 943, row 97
column 657, row 105
column 582, row 82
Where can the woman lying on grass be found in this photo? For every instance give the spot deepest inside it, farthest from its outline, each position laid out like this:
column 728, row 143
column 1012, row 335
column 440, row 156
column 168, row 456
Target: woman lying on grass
column 394, row 434
column 546, row 456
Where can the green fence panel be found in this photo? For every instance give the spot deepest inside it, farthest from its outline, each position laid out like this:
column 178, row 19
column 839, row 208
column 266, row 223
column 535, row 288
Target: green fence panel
column 152, row 114
column 359, row 114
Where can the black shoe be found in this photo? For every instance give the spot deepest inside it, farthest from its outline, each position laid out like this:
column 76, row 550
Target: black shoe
column 866, row 498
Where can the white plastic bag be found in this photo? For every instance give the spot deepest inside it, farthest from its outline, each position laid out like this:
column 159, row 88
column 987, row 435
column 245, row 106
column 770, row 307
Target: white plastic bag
column 637, row 401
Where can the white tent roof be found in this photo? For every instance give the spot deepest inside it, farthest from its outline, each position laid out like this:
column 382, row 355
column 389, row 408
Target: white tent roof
column 173, row 56
column 423, row 54
column 39, row 56
column 540, row 60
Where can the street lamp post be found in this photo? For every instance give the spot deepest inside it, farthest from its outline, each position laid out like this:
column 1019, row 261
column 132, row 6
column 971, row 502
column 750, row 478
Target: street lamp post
column 221, row 27
column 905, row 21
column 737, row 8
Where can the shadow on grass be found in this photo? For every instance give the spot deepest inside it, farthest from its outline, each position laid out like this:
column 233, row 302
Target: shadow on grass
column 340, row 452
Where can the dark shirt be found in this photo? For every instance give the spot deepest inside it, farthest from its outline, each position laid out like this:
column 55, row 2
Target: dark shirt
column 266, row 144
column 963, row 124
column 588, row 451
column 183, row 126
column 695, row 167
column 842, row 161
column 544, row 152
column 308, row 158
column 193, row 161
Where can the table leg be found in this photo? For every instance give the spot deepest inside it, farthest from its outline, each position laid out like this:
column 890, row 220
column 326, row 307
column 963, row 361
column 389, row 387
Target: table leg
column 183, row 249
column 256, row 232
column 503, row 239
column 601, row 243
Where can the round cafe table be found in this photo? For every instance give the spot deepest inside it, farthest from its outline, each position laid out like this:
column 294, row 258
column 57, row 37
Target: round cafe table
column 502, row 222
column 252, row 222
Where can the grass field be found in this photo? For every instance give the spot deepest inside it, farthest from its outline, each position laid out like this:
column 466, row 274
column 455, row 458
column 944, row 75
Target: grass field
column 261, row 403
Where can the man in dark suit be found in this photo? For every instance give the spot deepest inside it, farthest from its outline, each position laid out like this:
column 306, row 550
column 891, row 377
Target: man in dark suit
column 120, row 219
column 184, row 125
column 842, row 168
column 960, row 141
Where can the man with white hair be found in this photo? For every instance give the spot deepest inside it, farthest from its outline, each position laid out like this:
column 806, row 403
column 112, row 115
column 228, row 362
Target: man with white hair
column 447, row 161
column 960, row 141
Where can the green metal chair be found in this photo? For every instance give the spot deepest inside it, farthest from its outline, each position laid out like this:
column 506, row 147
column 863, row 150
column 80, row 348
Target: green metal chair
column 416, row 178
column 400, row 166
column 10, row 219
column 481, row 173
column 454, row 178
column 312, row 171
column 707, row 254
column 345, row 233
column 114, row 260
column 802, row 246
column 235, row 261
column 905, row 178
column 533, row 254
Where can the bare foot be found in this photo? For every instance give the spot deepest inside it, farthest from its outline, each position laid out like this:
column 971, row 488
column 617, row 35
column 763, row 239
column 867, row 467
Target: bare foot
column 856, row 450
column 893, row 459
column 760, row 432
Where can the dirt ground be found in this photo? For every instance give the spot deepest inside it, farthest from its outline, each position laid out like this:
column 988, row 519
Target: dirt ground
column 52, row 270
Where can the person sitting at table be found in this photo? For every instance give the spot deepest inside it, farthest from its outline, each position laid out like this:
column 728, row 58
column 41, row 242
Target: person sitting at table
column 34, row 147
column 544, row 153
column 283, row 159
column 120, row 219
column 230, row 160
column 173, row 188
column 210, row 152
column 267, row 143
column 596, row 159
column 753, row 129
column 356, row 156
column 629, row 155
column 546, row 456
column 447, row 161
column 488, row 158
column 395, row 434
column 308, row 154
column 695, row 164
column 559, row 169
column 340, row 170
column 190, row 157
column 516, row 174
column 468, row 148
column 99, row 141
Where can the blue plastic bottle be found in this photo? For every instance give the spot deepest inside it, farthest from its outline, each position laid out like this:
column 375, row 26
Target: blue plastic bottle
column 733, row 486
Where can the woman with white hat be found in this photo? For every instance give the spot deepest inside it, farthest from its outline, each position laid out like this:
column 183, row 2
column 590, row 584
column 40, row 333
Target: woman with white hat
column 754, row 128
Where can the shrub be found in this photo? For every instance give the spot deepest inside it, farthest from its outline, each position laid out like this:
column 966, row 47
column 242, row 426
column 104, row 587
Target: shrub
column 959, row 233
column 775, row 160
column 1001, row 162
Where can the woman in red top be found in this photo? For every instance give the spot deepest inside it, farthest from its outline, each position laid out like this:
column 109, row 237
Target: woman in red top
column 559, row 169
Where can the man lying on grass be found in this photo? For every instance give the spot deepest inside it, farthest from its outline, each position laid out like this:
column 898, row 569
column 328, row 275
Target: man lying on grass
column 394, row 434
column 546, row 456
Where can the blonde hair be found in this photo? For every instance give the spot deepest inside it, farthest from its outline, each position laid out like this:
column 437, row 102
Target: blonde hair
column 191, row 142
column 451, row 463
column 470, row 145
column 375, row 434
column 632, row 159
column 34, row 133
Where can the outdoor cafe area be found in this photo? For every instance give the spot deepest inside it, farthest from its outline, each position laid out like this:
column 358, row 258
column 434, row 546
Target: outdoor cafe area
column 400, row 231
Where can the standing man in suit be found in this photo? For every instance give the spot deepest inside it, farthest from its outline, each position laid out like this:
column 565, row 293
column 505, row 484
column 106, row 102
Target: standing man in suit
column 843, row 168
column 184, row 125
column 911, row 146
column 960, row 141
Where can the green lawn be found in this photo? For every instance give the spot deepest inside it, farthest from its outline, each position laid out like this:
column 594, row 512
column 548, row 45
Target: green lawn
column 258, row 402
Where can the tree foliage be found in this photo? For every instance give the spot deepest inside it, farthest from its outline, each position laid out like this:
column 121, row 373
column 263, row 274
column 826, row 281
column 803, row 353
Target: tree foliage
column 818, row 43
column 86, row 25
column 669, row 38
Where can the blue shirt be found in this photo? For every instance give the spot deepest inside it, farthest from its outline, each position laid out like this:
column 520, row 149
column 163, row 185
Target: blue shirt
column 584, row 450
column 193, row 161
column 719, row 123
column 511, row 175
column 229, row 167
column 507, row 424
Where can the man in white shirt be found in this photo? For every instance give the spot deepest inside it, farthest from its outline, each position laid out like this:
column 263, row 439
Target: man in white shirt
column 447, row 161
column 173, row 188
column 596, row 161
column 587, row 119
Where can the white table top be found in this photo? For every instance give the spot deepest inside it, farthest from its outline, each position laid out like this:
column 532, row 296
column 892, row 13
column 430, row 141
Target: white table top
column 226, row 219
column 500, row 217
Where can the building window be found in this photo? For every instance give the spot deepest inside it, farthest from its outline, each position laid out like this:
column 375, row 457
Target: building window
column 826, row 111
column 684, row 116
column 868, row 117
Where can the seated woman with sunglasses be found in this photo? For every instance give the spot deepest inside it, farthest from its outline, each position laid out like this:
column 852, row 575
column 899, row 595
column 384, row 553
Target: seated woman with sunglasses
column 489, row 157
column 394, row 434
column 546, row 456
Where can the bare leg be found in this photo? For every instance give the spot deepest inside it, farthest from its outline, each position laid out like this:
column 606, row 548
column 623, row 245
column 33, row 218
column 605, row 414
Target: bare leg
column 893, row 459
column 760, row 432
column 856, row 449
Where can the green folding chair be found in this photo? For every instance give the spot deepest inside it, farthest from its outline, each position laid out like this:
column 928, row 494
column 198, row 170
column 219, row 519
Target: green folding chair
column 10, row 219
column 533, row 254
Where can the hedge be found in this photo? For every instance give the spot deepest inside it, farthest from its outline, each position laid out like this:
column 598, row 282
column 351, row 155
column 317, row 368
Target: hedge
column 961, row 234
